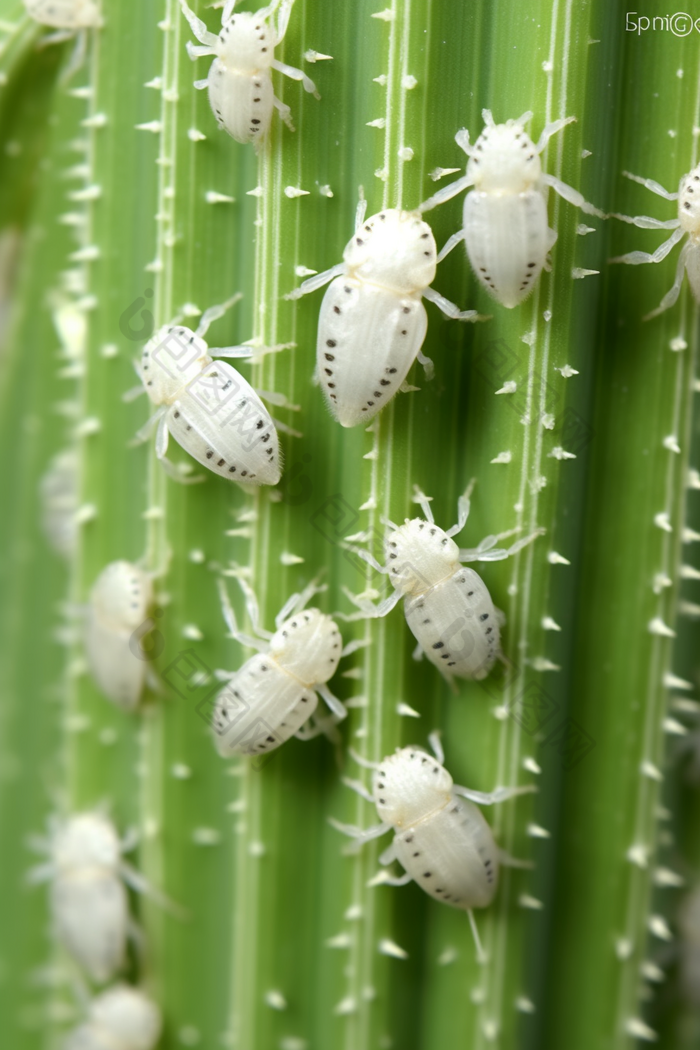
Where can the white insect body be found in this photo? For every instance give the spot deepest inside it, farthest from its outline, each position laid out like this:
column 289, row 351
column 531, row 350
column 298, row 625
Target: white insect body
column 58, row 490
column 688, row 221
column 448, row 606
column 119, row 603
column 504, row 224
column 273, row 695
column 372, row 322
column 65, row 14
column 207, row 406
column 122, row 1018
column 88, row 898
column 239, row 82
column 441, row 839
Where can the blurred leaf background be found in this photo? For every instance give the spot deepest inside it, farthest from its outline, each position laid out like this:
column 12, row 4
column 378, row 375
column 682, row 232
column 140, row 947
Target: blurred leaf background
column 120, row 203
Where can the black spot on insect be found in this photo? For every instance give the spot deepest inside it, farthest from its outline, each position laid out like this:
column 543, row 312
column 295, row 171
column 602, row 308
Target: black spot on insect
column 427, row 874
column 332, row 386
column 209, row 453
column 330, row 342
column 259, row 425
column 328, row 371
column 417, row 854
column 336, row 309
column 439, row 645
column 358, row 240
column 484, row 616
column 221, row 463
column 329, row 357
column 255, row 120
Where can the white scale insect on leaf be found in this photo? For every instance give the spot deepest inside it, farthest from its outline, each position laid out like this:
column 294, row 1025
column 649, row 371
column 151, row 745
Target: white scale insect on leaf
column 448, row 606
column 65, row 14
column 58, row 492
column 505, row 216
column 239, row 82
column 688, row 221
column 440, row 839
column 372, row 322
column 115, row 625
column 122, row 1018
column 69, row 18
column 207, row 406
column 274, row 694
column 89, row 904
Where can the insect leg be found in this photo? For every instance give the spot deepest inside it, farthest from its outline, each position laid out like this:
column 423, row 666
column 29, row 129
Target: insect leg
column 317, row 281
column 360, row 834
column 296, row 74
column 424, row 502
column 450, row 243
column 673, row 293
column 284, row 111
column 649, row 184
column 637, row 258
column 572, row 196
column 490, row 798
column 451, row 309
column 198, row 27
column 359, row 788
column 463, row 507
column 447, row 193
column 548, row 130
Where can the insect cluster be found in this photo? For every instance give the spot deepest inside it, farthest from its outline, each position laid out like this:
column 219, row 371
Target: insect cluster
column 371, row 329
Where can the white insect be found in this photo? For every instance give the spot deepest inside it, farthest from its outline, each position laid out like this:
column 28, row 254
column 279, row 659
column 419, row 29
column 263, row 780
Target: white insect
column 240, row 87
column 88, row 898
column 505, row 216
column 448, row 607
column 65, row 14
column 58, row 491
column 207, row 406
column 122, row 1018
column 688, row 221
column 372, row 323
column 116, row 621
column 273, row 695
column 440, row 839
